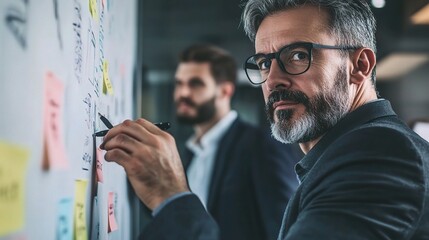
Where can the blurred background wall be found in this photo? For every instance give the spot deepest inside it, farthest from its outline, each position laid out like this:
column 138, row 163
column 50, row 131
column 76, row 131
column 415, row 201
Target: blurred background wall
column 166, row 27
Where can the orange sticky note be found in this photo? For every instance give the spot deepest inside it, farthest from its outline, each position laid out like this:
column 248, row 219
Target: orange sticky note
column 99, row 165
column 80, row 227
column 54, row 154
column 13, row 169
column 112, row 225
column 107, row 84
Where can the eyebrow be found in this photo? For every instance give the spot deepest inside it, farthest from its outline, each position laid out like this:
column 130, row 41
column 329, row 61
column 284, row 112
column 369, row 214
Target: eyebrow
column 191, row 80
column 281, row 46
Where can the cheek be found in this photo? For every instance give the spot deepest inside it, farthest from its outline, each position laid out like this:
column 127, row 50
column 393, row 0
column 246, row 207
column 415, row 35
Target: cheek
column 265, row 93
column 176, row 96
column 312, row 85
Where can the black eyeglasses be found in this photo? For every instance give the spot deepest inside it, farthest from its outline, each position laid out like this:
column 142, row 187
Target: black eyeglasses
column 293, row 59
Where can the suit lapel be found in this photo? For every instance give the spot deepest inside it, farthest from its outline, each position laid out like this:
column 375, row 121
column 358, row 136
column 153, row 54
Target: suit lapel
column 187, row 158
column 223, row 154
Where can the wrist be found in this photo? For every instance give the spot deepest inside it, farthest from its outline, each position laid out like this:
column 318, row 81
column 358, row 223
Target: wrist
column 167, row 201
column 158, row 199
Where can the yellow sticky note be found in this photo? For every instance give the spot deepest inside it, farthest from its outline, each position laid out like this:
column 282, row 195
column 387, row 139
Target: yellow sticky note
column 13, row 166
column 80, row 228
column 107, row 84
column 93, row 9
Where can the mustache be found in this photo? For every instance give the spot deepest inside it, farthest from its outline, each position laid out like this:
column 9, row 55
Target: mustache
column 287, row 95
column 284, row 95
column 186, row 101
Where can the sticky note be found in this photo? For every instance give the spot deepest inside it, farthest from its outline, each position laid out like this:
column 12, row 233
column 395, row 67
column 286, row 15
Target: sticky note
column 80, row 227
column 13, row 167
column 112, row 225
column 99, row 166
column 65, row 219
column 93, row 9
column 107, row 84
column 54, row 154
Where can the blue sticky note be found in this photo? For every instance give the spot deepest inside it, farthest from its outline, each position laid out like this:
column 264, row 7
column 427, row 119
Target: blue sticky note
column 65, row 220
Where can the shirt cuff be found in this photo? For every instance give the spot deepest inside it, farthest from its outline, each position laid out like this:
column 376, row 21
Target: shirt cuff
column 167, row 201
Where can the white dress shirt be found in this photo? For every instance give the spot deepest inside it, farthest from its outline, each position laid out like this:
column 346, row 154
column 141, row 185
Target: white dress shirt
column 200, row 170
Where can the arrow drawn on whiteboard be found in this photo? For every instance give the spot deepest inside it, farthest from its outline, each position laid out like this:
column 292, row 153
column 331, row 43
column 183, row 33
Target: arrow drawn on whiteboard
column 16, row 20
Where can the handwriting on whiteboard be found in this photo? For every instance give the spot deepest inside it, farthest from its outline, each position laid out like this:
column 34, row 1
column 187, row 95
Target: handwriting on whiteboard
column 77, row 28
column 16, row 20
column 90, row 60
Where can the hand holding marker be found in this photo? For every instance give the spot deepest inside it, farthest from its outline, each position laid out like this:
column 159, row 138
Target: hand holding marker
column 161, row 125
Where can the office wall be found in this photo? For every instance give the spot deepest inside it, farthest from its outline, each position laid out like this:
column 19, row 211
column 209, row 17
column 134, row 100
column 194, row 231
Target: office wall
column 62, row 63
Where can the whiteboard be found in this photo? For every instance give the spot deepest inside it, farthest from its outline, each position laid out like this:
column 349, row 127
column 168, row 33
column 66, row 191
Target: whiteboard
column 82, row 45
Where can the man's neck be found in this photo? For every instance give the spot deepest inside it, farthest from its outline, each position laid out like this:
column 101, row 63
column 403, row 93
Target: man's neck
column 358, row 101
column 364, row 94
column 203, row 128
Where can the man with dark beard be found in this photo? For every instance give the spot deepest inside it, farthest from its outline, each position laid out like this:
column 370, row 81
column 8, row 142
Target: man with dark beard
column 365, row 174
column 233, row 167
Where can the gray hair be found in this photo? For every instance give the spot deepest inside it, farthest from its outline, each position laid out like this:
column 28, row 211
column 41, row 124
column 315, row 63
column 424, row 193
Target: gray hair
column 351, row 21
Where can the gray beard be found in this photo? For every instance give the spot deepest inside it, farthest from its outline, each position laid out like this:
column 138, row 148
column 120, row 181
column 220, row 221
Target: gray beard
column 324, row 111
column 300, row 131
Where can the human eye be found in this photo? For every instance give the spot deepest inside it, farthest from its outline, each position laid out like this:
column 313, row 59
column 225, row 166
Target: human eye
column 295, row 55
column 299, row 55
column 178, row 83
column 196, row 83
column 264, row 64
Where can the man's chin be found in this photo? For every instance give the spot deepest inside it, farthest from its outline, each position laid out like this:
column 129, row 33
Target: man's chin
column 291, row 129
column 283, row 116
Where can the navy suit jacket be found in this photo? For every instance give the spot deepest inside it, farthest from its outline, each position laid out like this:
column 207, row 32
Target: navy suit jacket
column 252, row 170
column 367, row 178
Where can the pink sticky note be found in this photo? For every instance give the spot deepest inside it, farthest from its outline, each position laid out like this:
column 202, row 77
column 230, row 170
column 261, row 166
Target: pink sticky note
column 112, row 226
column 54, row 149
column 99, row 165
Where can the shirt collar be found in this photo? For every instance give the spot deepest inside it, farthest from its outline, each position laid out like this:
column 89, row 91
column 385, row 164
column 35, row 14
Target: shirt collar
column 214, row 134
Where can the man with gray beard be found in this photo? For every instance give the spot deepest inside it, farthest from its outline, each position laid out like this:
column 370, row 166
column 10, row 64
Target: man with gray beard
column 365, row 174
column 323, row 112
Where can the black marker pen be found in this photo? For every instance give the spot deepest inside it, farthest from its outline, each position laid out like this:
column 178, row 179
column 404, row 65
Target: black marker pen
column 161, row 125
column 105, row 121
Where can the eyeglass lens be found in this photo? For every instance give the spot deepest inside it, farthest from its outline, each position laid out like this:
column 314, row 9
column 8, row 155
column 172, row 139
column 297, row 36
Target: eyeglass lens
column 293, row 59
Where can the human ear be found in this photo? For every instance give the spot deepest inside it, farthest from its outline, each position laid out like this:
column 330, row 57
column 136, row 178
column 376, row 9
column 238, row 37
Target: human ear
column 227, row 89
column 363, row 61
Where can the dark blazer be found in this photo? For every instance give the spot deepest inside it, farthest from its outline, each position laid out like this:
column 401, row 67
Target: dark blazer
column 367, row 178
column 251, row 171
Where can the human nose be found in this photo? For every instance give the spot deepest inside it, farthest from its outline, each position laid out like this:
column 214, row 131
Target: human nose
column 182, row 91
column 277, row 78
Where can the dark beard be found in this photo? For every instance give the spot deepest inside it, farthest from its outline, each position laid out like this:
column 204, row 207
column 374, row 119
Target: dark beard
column 205, row 112
column 321, row 112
